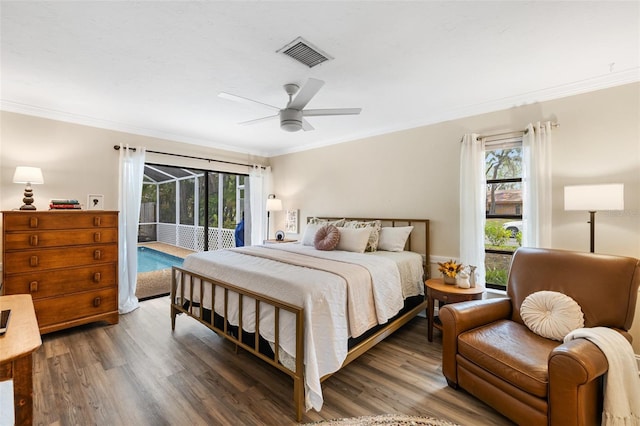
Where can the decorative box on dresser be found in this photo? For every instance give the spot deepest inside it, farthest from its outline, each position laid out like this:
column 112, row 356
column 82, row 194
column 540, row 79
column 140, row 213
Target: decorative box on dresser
column 67, row 261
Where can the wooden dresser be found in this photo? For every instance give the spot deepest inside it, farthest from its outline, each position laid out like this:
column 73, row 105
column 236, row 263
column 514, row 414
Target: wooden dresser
column 67, row 261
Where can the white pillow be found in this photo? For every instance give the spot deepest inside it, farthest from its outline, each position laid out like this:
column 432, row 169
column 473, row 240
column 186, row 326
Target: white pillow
column 309, row 235
column 394, row 238
column 551, row 314
column 353, row 239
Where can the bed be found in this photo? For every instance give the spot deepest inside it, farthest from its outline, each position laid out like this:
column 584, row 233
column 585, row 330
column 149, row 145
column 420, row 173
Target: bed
column 305, row 311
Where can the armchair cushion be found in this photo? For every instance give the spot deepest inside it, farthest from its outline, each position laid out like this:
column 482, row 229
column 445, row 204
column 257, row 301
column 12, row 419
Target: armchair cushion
column 551, row 314
column 512, row 352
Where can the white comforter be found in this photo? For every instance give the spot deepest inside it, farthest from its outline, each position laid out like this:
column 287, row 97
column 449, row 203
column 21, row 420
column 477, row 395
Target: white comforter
column 321, row 294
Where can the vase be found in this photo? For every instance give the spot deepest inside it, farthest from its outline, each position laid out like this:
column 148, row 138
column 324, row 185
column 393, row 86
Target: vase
column 449, row 280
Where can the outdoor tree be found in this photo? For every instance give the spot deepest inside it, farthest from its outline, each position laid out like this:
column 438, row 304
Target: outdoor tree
column 501, row 164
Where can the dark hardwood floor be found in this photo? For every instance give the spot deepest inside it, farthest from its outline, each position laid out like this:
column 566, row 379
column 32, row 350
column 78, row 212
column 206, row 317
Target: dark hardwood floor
column 140, row 373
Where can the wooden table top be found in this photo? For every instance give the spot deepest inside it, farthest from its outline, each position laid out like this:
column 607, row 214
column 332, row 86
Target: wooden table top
column 23, row 335
column 439, row 285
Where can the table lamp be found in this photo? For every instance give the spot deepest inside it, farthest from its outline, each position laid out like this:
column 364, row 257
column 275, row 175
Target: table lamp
column 273, row 205
column 30, row 176
column 592, row 198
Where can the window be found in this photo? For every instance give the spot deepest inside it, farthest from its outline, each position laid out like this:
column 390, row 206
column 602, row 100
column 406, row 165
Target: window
column 191, row 208
column 503, row 225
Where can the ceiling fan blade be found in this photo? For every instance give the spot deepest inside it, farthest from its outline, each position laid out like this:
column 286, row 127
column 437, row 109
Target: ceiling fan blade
column 306, row 126
column 243, row 100
column 331, row 111
column 258, row 120
column 308, row 91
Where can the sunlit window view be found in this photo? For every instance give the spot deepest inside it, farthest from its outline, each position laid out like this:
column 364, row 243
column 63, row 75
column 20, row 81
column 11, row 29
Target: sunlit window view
column 503, row 227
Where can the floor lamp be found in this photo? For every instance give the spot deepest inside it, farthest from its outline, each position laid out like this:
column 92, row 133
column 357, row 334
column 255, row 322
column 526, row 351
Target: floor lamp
column 273, row 205
column 592, row 198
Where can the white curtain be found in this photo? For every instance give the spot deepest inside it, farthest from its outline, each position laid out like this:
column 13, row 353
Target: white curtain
column 473, row 199
column 259, row 181
column 536, row 185
column 130, row 193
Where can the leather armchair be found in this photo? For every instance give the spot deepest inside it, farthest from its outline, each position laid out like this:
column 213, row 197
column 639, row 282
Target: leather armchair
column 489, row 352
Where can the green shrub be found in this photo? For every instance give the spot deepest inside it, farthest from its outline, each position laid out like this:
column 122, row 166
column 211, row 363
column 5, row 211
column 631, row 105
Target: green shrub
column 496, row 234
column 496, row 276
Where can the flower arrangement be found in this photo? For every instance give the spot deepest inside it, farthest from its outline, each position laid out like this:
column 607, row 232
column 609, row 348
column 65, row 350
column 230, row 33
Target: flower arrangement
column 450, row 268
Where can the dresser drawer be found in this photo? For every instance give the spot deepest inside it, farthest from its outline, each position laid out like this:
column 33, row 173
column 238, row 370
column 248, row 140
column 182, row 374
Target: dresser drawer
column 20, row 221
column 75, row 306
column 43, row 239
column 64, row 281
column 40, row 260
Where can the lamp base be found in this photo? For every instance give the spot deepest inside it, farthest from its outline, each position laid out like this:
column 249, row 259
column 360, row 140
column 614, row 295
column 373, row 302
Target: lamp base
column 28, row 199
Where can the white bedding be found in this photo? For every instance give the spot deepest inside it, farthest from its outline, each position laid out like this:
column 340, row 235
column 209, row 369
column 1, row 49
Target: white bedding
column 321, row 294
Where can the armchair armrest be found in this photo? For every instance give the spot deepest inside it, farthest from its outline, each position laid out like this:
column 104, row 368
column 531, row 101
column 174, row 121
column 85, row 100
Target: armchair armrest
column 459, row 317
column 575, row 383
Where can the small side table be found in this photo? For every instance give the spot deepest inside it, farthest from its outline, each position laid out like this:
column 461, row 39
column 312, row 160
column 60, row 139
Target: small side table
column 273, row 241
column 438, row 290
column 16, row 348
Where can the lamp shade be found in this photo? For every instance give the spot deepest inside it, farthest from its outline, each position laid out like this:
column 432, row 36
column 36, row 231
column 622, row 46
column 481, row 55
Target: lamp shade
column 274, row 205
column 594, row 197
column 32, row 175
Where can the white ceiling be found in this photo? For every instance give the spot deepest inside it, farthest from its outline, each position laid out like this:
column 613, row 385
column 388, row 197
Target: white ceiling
column 156, row 67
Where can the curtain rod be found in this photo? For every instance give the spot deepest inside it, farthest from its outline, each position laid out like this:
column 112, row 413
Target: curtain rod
column 493, row 135
column 117, row 148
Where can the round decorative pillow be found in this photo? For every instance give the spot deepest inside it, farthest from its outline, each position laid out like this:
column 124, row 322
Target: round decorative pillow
column 327, row 238
column 551, row 314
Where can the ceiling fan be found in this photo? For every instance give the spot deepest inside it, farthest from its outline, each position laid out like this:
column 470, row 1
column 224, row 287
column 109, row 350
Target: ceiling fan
column 292, row 117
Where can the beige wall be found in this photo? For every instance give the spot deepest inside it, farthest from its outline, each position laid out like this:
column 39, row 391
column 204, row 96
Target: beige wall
column 78, row 160
column 414, row 173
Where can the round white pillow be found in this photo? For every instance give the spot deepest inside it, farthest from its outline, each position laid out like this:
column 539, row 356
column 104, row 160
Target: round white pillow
column 551, row 314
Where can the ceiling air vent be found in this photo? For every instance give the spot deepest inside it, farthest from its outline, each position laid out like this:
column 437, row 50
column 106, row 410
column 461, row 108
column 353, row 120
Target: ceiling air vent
column 304, row 52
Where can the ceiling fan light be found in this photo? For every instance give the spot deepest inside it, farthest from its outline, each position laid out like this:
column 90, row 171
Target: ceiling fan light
column 290, row 120
column 291, row 126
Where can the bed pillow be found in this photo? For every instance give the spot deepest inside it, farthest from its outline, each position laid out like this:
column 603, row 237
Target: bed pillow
column 319, row 221
column 308, row 238
column 326, row 238
column 352, row 239
column 375, row 225
column 551, row 314
column 394, row 238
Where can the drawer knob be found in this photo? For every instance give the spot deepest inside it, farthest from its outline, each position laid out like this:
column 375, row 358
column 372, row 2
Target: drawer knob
column 96, row 221
column 97, row 277
column 33, row 240
column 96, row 237
column 33, row 286
column 33, row 222
column 97, row 301
column 33, row 261
column 97, row 254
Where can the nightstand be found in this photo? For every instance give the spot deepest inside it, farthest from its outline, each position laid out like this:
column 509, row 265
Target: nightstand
column 437, row 290
column 279, row 241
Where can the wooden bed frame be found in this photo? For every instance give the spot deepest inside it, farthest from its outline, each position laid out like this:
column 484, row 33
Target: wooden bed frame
column 418, row 241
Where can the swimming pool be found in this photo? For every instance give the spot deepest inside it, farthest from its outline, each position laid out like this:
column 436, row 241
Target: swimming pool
column 153, row 260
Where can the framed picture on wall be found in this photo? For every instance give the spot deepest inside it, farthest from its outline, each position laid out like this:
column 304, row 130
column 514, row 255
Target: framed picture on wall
column 291, row 222
column 95, row 202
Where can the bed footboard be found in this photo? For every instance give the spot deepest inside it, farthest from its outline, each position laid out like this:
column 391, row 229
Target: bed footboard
column 187, row 286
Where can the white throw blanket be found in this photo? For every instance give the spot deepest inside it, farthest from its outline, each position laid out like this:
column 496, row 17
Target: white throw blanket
column 621, row 382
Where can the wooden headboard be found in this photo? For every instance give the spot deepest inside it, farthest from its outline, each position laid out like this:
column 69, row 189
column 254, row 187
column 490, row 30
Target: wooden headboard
column 417, row 242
